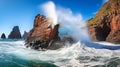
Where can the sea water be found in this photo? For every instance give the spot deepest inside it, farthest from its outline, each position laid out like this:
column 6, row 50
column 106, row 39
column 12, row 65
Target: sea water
column 13, row 53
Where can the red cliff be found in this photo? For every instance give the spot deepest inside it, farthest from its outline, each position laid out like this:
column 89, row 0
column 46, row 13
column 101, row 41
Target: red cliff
column 105, row 26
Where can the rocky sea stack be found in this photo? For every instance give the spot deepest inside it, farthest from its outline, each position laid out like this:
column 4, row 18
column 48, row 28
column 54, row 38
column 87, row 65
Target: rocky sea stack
column 43, row 35
column 105, row 26
column 25, row 35
column 3, row 36
column 15, row 33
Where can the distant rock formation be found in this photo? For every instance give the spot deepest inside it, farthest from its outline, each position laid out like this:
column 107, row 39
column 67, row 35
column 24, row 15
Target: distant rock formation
column 105, row 26
column 3, row 36
column 15, row 33
column 25, row 35
column 43, row 35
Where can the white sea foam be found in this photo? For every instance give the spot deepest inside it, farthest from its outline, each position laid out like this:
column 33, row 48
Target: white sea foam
column 107, row 43
column 77, row 55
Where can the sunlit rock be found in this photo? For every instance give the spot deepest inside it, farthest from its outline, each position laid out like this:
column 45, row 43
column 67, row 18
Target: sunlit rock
column 43, row 35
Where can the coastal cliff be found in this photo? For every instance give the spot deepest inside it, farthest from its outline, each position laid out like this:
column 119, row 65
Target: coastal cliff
column 43, row 35
column 105, row 26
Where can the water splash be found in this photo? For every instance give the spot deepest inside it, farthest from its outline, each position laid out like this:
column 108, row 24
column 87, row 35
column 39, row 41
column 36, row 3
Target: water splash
column 49, row 10
column 71, row 23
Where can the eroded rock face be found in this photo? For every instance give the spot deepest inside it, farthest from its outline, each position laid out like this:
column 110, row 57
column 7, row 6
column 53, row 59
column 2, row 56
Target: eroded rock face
column 15, row 33
column 114, row 35
column 105, row 26
column 3, row 36
column 43, row 35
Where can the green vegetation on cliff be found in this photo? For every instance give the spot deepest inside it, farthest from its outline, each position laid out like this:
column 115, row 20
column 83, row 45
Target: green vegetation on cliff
column 106, row 9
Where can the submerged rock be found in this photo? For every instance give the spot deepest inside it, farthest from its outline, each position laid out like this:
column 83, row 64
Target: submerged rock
column 43, row 35
column 105, row 26
column 15, row 33
column 3, row 36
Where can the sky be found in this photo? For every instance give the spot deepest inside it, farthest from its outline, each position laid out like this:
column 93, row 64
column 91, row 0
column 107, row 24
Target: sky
column 23, row 12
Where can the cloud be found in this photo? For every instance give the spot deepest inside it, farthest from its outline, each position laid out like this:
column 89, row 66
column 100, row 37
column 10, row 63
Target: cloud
column 70, row 22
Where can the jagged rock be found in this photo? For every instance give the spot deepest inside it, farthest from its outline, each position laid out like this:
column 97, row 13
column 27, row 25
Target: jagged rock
column 15, row 33
column 25, row 35
column 105, row 26
column 3, row 36
column 43, row 35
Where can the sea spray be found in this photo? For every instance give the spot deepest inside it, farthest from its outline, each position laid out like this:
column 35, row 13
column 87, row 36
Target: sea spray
column 49, row 10
column 72, row 24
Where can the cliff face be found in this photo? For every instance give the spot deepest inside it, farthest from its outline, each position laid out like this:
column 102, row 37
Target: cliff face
column 105, row 26
column 42, row 35
column 15, row 33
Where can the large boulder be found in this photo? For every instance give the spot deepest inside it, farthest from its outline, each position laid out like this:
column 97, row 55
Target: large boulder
column 15, row 33
column 3, row 36
column 43, row 35
column 105, row 26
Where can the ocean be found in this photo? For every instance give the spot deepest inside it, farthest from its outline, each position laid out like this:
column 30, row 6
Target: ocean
column 13, row 53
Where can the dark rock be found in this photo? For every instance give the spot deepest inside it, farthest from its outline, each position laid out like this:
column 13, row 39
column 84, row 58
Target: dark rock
column 3, row 36
column 15, row 33
column 25, row 35
column 68, row 39
column 43, row 35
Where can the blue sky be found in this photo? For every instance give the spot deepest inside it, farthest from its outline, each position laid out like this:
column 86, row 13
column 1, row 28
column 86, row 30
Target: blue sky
column 22, row 12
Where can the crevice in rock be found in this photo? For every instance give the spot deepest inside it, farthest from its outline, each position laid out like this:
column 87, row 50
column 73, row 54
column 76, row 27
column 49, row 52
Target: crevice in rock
column 103, row 30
